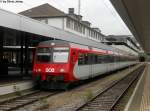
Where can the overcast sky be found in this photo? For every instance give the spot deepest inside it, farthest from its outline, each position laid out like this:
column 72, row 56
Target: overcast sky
column 99, row 12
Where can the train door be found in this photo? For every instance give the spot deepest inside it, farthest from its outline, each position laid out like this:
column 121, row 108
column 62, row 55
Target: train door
column 84, row 68
column 91, row 62
column 89, row 65
column 94, row 67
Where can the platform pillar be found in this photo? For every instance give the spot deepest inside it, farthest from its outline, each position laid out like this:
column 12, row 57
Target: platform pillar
column 21, row 52
column 26, row 54
column 1, row 43
column 3, row 61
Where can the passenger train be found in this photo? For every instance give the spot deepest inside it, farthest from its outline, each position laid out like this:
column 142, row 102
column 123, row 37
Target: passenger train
column 59, row 63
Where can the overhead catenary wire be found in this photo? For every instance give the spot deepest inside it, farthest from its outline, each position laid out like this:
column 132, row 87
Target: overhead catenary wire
column 115, row 15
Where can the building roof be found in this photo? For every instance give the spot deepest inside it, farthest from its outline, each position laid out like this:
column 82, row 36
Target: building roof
column 44, row 10
column 48, row 11
column 120, row 38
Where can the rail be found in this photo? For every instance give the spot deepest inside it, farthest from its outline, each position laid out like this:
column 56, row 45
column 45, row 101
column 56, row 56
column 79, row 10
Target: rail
column 108, row 99
column 18, row 102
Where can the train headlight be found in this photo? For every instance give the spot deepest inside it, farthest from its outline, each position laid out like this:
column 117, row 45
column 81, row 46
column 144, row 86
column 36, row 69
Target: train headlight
column 35, row 70
column 62, row 70
column 52, row 43
column 39, row 70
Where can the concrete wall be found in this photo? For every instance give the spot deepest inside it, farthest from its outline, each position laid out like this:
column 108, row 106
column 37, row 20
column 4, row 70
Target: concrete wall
column 56, row 22
column 70, row 30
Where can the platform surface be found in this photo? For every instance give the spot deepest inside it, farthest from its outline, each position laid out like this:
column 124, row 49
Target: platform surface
column 145, row 102
column 14, row 85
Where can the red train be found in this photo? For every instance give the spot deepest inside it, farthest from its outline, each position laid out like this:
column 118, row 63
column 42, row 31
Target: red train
column 59, row 63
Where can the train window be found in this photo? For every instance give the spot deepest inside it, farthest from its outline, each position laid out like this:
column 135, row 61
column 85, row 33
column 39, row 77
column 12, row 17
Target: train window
column 104, row 58
column 111, row 58
column 117, row 58
column 43, row 57
column 93, row 59
column 60, row 54
column 81, row 59
column 107, row 59
column 99, row 60
column 44, row 54
column 84, row 59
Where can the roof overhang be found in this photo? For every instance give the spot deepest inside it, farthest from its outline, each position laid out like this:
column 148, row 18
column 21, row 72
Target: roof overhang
column 25, row 24
column 136, row 15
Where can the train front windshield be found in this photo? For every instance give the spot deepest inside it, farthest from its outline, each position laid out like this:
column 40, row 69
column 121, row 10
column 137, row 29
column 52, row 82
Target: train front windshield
column 52, row 55
column 60, row 54
column 44, row 54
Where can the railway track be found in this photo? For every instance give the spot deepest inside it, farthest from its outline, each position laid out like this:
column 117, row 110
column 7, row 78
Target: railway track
column 108, row 99
column 18, row 102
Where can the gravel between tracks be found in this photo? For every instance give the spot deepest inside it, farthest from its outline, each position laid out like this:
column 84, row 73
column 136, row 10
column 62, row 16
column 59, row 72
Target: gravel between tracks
column 71, row 100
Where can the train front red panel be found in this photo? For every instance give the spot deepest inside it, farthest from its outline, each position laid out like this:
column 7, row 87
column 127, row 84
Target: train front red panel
column 51, row 69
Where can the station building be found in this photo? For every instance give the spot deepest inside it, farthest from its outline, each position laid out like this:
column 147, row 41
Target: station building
column 18, row 44
column 70, row 22
column 123, row 42
column 20, row 35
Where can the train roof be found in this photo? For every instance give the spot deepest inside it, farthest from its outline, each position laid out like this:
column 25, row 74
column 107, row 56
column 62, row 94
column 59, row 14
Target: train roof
column 55, row 42
column 66, row 43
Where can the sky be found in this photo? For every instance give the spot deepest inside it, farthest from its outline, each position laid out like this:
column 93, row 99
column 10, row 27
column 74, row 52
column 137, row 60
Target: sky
column 100, row 13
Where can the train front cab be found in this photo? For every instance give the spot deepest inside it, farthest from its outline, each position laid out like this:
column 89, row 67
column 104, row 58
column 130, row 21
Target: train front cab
column 53, row 66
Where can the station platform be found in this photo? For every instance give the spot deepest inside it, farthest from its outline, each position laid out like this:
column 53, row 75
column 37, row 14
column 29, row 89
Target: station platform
column 140, row 99
column 12, row 85
column 145, row 102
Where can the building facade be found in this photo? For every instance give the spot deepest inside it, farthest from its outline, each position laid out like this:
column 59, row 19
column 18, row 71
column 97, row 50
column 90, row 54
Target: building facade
column 70, row 22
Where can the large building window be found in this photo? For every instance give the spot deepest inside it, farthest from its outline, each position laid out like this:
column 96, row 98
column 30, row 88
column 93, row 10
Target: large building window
column 44, row 21
column 79, row 27
column 75, row 26
column 88, row 32
column 70, row 23
column 83, row 30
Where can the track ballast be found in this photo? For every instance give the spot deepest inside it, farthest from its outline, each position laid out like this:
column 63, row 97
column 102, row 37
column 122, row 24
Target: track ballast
column 21, row 101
